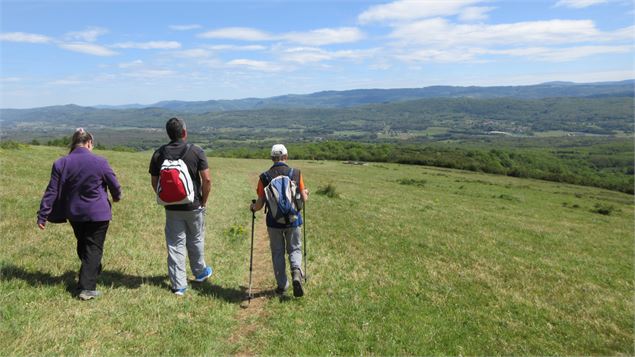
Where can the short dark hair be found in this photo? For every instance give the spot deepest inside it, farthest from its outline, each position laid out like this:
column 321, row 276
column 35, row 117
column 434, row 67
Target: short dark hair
column 175, row 128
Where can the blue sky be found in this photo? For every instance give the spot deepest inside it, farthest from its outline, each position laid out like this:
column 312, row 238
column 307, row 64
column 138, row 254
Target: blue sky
column 122, row 52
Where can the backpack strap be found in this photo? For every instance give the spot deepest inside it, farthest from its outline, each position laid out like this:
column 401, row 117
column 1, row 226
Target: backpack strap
column 187, row 149
column 265, row 178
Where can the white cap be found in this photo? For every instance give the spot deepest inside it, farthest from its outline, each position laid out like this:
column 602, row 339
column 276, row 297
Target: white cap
column 278, row 150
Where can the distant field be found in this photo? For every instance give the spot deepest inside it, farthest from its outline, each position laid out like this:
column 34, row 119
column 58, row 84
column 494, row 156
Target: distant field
column 408, row 260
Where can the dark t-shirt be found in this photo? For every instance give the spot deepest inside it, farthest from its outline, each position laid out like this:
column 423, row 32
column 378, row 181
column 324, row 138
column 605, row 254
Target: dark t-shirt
column 194, row 159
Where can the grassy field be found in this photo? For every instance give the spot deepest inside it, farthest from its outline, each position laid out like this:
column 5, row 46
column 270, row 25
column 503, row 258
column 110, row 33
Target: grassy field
column 408, row 260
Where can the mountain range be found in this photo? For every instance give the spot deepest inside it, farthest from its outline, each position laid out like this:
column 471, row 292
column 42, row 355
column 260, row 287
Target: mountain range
column 357, row 97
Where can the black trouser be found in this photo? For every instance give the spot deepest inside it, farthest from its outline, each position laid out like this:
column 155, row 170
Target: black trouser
column 90, row 248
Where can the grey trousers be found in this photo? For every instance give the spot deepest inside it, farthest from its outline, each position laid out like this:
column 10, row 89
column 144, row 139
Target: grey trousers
column 281, row 239
column 184, row 229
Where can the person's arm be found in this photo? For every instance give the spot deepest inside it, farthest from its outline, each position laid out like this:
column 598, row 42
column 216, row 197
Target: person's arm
column 206, row 186
column 50, row 195
column 154, row 171
column 260, row 202
column 304, row 192
column 154, row 181
column 112, row 183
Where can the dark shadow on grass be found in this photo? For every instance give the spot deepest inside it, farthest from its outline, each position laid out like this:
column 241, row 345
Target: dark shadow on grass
column 231, row 295
column 268, row 294
column 117, row 279
column 228, row 294
column 113, row 279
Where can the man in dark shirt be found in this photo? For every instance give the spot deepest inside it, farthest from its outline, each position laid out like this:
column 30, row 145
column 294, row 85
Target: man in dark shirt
column 184, row 223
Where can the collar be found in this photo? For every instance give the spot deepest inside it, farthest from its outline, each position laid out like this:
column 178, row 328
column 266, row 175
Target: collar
column 279, row 163
column 80, row 150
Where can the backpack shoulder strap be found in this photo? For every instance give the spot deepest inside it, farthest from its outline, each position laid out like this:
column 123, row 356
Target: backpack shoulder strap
column 265, row 178
column 187, row 149
column 294, row 175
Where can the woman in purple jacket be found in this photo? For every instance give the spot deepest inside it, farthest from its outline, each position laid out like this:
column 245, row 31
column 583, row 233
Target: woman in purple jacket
column 83, row 180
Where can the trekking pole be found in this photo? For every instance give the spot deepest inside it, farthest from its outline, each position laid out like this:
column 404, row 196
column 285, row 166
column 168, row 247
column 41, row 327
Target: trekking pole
column 305, row 241
column 251, row 255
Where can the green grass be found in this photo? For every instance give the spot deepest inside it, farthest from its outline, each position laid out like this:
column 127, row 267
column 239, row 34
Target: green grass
column 467, row 264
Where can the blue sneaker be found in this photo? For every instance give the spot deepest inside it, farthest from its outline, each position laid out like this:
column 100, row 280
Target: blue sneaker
column 179, row 292
column 207, row 272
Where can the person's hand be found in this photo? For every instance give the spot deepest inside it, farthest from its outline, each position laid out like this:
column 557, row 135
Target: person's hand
column 306, row 191
column 252, row 207
column 42, row 226
column 116, row 199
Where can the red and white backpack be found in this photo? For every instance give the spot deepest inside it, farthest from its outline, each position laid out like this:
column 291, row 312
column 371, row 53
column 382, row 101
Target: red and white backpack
column 175, row 185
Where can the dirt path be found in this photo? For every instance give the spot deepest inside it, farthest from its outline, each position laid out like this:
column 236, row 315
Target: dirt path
column 262, row 289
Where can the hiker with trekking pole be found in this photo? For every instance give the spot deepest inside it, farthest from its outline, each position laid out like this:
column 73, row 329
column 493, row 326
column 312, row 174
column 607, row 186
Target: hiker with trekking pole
column 281, row 189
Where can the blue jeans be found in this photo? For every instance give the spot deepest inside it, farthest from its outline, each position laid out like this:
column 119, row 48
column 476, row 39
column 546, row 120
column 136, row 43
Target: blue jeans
column 281, row 239
column 184, row 230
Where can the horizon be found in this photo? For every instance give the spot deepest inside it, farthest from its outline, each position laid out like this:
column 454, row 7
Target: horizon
column 100, row 54
column 148, row 105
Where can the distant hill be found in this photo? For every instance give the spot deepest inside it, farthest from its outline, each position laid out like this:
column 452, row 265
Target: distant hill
column 352, row 98
column 595, row 115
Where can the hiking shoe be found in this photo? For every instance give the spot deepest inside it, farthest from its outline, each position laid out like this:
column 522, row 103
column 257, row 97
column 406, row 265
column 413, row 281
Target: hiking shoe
column 280, row 290
column 89, row 294
column 207, row 272
column 298, row 290
column 179, row 292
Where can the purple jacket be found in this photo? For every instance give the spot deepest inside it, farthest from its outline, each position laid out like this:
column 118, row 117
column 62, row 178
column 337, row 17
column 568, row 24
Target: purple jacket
column 84, row 180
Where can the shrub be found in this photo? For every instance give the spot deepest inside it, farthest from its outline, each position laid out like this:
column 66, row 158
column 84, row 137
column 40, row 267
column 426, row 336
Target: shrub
column 603, row 208
column 412, row 182
column 235, row 232
column 507, row 197
column 10, row 145
column 328, row 191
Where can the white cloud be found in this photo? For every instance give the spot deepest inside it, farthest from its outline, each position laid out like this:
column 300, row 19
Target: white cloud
column 135, row 63
column 238, row 33
column 562, row 54
column 405, row 10
column 194, row 53
column 10, row 79
column 440, row 55
column 324, row 36
column 236, row 48
column 579, row 4
column 88, row 35
column 185, row 27
column 151, row 45
column 318, row 37
column 67, row 82
column 442, row 33
column 312, row 54
column 150, row 73
column 475, row 13
column 24, row 37
column 255, row 65
column 88, row 48
column 543, row 54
